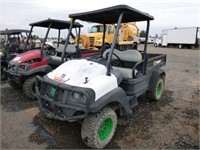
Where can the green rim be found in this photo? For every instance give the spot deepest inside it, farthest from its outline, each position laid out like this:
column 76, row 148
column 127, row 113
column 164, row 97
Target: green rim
column 52, row 91
column 159, row 89
column 105, row 129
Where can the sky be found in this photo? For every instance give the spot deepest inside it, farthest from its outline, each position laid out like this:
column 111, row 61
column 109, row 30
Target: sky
column 167, row 14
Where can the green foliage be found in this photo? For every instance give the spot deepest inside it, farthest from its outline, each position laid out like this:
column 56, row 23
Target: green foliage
column 35, row 37
column 142, row 33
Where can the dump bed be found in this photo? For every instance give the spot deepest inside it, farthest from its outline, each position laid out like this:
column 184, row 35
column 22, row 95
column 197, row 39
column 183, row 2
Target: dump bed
column 139, row 84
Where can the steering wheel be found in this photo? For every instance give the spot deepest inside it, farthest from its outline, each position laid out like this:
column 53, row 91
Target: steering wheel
column 113, row 61
column 49, row 49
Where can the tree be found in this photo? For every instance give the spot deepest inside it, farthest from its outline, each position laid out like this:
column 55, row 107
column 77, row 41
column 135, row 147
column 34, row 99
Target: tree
column 35, row 37
column 142, row 33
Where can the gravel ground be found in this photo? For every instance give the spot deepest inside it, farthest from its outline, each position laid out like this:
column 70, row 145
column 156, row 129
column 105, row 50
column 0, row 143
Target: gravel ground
column 171, row 123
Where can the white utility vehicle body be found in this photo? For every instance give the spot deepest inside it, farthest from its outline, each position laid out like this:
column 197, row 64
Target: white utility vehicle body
column 85, row 73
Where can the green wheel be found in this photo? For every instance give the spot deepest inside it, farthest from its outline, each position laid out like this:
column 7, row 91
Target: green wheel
column 98, row 128
column 105, row 129
column 157, row 90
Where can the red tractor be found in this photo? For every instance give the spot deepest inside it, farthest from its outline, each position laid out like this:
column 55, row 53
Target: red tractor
column 23, row 69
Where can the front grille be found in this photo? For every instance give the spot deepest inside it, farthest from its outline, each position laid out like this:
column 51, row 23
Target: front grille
column 92, row 41
column 52, row 91
column 11, row 66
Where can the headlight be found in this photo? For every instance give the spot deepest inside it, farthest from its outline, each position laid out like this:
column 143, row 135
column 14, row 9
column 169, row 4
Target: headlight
column 22, row 67
column 79, row 97
column 1, row 54
column 76, row 96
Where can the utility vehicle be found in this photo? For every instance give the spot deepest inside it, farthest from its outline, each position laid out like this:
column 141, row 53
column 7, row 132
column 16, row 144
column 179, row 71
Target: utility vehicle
column 91, row 90
column 11, row 47
column 23, row 69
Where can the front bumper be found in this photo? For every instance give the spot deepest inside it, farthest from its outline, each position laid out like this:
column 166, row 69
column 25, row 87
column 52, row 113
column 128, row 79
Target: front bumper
column 15, row 73
column 62, row 105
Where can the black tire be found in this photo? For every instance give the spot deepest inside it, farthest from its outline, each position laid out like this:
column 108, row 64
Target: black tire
column 157, row 91
column 3, row 73
column 29, row 88
column 98, row 128
column 14, row 85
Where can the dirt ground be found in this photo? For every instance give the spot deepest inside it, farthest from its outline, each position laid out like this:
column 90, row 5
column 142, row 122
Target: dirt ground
column 171, row 123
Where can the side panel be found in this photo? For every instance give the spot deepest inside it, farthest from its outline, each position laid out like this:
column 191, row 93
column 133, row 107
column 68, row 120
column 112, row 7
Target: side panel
column 135, row 87
column 164, row 40
column 182, row 36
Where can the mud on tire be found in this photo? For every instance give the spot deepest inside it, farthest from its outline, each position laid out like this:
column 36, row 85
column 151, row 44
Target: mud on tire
column 29, row 87
column 98, row 128
column 13, row 84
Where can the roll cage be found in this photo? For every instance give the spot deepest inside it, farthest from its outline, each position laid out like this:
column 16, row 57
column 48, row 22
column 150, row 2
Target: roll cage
column 8, row 32
column 54, row 24
column 116, row 14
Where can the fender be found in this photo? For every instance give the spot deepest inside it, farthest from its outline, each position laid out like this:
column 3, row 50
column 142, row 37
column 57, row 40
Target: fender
column 154, row 77
column 116, row 95
column 43, row 69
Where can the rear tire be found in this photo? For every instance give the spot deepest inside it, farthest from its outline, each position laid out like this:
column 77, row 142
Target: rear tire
column 29, row 88
column 14, row 85
column 98, row 128
column 157, row 91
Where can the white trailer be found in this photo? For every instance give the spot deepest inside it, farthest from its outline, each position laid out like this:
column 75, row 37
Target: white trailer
column 181, row 37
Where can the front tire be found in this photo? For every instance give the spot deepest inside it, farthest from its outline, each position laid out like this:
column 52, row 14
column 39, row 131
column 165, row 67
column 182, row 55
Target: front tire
column 3, row 73
column 29, row 88
column 13, row 84
column 98, row 128
column 157, row 91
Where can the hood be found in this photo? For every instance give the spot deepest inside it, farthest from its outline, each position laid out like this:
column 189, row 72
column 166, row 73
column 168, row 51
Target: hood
column 77, row 72
column 26, row 56
column 97, row 34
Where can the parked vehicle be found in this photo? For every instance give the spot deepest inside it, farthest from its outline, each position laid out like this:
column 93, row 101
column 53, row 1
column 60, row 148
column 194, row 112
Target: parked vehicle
column 181, row 37
column 10, row 47
column 91, row 90
column 158, row 42
column 22, row 70
column 128, row 32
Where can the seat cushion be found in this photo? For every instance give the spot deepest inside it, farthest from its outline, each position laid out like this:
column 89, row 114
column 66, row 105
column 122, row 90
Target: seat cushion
column 57, row 59
column 130, row 55
column 70, row 49
column 127, row 73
